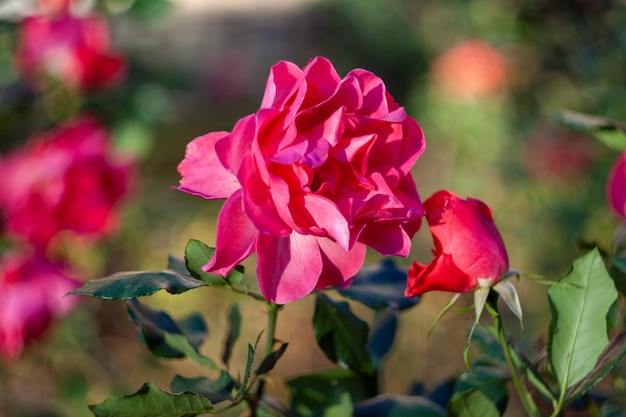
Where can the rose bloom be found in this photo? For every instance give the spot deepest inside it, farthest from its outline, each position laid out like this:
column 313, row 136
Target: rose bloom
column 469, row 251
column 70, row 49
column 66, row 179
column 318, row 173
column 470, row 70
column 616, row 187
column 32, row 291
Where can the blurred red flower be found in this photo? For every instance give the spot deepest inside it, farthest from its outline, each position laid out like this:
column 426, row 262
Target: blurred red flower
column 469, row 251
column 32, row 291
column 616, row 187
column 470, row 70
column 68, row 49
column 64, row 179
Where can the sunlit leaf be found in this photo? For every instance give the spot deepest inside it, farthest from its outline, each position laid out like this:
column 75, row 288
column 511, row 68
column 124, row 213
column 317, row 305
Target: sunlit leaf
column 181, row 343
column 612, row 133
column 341, row 335
column 150, row 401
column 215, row 391
column 394, row 405
column 380, row 286
column 472, row 403
column 197, row 254
column 578, row 328
column 154, row 324
column 127, row 285
column 234, row 329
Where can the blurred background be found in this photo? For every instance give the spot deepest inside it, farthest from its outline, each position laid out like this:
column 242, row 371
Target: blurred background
column 482, row 78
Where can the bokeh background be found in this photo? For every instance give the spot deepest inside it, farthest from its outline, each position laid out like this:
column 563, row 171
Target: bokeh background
column 484, row 80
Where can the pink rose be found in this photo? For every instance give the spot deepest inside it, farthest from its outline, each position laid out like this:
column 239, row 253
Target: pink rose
column 64, row 179
column 319, row 172
column 72, row 50
column 469, row 251
column 32, row 291
column 616, row 187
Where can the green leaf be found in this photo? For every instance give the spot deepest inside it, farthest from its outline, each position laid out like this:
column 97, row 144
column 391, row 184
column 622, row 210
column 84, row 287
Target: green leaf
column 380, row 286
column 268, row 363
column 612, row 133
column 234, row 329
column 490, row 381
column 150, row 401
column 177, row 264
column 341, row 335
column 154, row 324
column 127, row 285
column 181, row 343
column 313, row 394
column 472, row 403
column 394, row 405
column 248, row 369
column 197, row 254
column 578, row 329
column 214, row 391
column 382, row 335
column 609, row 358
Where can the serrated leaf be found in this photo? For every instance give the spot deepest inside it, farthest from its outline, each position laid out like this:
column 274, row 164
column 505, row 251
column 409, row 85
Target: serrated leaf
column 150, row 401
column 341, row 335
column 380, row 286
column 609, row 358
column 312, row 394
column 234, row 329
column 154, row 324
column 382, row 334
column 578, row 329
column 394, row 405
column 268, row 363
column 612, row 133
column 127, row 285
column 214, row 391
column 197, row 254
column 472, row 404
column 181, row 343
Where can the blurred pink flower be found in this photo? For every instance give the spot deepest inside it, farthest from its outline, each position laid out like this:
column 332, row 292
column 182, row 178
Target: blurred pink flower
column 469, row 251
column 470, row 70
column 72, row 50
column 32, row 291
column 321, row 170
column 63, row 179
column 616, row 187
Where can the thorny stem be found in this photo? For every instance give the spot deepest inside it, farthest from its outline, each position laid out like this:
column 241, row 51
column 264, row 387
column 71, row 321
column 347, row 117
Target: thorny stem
column 272, row 316
column 524, row 395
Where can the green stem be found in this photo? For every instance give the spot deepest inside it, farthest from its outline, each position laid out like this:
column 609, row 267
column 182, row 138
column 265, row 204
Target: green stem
column 272, row 316
column 524, row 395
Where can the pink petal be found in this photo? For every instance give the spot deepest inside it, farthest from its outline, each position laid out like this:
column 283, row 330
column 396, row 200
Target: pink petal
column 288, row 268
column 387, row 238
column 339, row 266
column 616, row 187
column 202, row 172
column 441, row 274
column 236, row 236
column 280, row 83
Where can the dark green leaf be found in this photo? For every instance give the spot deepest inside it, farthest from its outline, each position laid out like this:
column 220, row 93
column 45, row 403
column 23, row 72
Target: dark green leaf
column 127, row 285
column 150, row 401
column 578, row 328
column 181, row 343
column 197, row 255
column 311, row 395
column 341, row 335
column 612, row 133
column 149, row 10
column 612, row 410
column 490, row 381
column 248, row 369
column 609, row 358
column 382, row 334
column 472, row 404
column 214, row 391
column 267, row 364
column 393, row 405
column 618, row 273
column 154, row 324
column 380, row 286
column 177, row 264
column 234, row 329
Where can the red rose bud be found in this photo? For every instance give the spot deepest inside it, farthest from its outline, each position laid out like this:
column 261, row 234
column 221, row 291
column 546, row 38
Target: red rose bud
column 469, row 251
